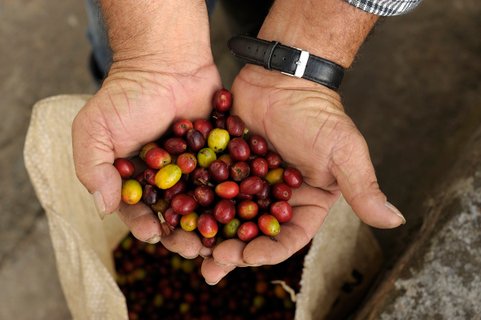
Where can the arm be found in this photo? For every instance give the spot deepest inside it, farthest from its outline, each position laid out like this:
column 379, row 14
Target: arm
column 155, row 34
column 162, row 69
column 334, row 30
column 331, row 29
column 305, row 122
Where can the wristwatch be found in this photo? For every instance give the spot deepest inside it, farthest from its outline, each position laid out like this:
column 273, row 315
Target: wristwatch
column 290, row 61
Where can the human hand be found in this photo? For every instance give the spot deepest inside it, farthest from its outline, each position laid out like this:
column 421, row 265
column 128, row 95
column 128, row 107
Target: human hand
column 306, row 124
column 134, row 107
column 163, row 69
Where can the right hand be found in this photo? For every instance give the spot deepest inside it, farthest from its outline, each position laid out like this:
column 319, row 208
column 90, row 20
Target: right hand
column 133, row 107
column 163, row 69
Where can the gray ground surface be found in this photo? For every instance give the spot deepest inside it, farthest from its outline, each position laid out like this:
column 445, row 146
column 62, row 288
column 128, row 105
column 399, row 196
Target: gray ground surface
column 43, row 52
column 414, row 92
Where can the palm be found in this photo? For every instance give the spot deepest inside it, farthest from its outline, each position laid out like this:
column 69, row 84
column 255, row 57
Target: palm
column 299, row 125
column 306, row 126
column 136, row 108
column 131, row 109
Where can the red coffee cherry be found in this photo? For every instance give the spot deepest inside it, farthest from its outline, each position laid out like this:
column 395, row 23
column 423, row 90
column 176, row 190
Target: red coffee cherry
column 247, row 209
column 195, row 140
column 265, row 191
column 251, row 185
column 235, row 126
column 204, row 195
column 292, row 177
column 259, row 167
column 227, row 189
column 208, row 242
column 239, row 171
column 224, row 211
column 200, row 176
column 243, row 196
column 146, row 148
column 226, row 159
column 171, row 217
column 178, row 188
column 207, row 225
column 149, row 195
column 222, row 100
column 183, row 204
column 258, row 145
column 203, row 126
column 274, row 160
column 239, row 149
column 149, row 176
column 282, row 210
column 219, row 119
column 269, row 225
column 219, row 171
column 187, row 162
column 281, row 191
column 247, row 231
column 125, row 167
column 264, row 203
column 180, row 127
column 157, row 158
column 175, row 145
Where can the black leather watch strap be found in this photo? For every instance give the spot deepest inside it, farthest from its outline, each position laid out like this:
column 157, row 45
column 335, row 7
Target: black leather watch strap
column 288, row 60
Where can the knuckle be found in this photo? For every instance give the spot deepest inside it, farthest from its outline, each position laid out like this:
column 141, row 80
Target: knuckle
column 369, row 190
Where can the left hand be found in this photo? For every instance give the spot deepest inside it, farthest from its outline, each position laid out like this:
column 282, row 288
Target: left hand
column 306, row 124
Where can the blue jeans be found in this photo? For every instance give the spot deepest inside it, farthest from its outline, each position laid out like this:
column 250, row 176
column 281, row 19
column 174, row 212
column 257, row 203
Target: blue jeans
column 97, row 34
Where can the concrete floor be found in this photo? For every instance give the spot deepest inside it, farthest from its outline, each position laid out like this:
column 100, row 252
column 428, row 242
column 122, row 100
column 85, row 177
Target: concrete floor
column 414, row 92
column 43, row 52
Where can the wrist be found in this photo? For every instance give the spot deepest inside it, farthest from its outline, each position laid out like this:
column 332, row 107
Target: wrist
column 257, row 76
column 331, row 29
column 158, row 35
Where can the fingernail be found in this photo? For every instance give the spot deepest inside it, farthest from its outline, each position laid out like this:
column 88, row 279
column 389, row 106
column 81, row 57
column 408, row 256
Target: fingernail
column 396, row 211
column 212, row 283
column 99, row 204
column 187, row 257
column 154, row 239
column 205, row 252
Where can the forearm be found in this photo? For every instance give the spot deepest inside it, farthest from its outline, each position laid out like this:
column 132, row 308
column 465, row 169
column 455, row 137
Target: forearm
column 331, row 29
column 162, row 32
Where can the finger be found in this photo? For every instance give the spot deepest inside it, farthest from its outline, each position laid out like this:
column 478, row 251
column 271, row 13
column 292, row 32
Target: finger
column 205, row 252
column 230, row 252
column 93, row 157
column 141, row 221
column 294, row 235
column 185, row 243
column 307, row 195
column 214, row 272
column 310, row 206
column 354, row 172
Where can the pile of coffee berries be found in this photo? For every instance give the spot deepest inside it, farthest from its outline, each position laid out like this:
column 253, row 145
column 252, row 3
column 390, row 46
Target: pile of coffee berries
column 213, row 177
column 159, row 284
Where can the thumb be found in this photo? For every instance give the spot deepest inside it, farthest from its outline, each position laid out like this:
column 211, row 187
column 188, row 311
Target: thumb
column 354, row 172
column 93, row 158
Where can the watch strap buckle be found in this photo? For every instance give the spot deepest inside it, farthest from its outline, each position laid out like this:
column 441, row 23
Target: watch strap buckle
column 301, row 65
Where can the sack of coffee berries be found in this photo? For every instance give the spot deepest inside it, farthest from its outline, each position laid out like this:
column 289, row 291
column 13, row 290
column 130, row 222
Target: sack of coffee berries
column 206, row 177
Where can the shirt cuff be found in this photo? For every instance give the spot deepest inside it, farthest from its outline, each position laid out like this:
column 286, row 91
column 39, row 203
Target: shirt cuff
column 385, row 7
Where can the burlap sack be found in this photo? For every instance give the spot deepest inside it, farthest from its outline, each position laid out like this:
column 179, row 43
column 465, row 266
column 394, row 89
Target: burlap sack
column 83, row 243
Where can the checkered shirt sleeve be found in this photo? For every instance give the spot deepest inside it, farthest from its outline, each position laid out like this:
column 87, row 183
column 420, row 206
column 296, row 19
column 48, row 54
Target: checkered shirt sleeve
column 385, row 7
